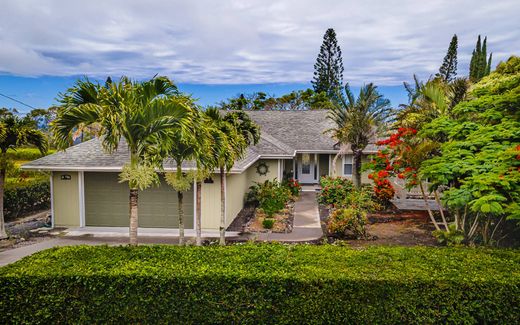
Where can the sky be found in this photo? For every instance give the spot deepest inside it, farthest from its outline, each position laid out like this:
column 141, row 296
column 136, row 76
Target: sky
column 218, row 49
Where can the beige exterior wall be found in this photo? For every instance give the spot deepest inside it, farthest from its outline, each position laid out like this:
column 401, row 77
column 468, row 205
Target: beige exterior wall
column 237, row 186
column 65, row 199
column 339, row 168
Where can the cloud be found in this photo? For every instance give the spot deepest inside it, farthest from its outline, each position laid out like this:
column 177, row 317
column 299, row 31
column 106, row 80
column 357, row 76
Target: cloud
column 257, row 41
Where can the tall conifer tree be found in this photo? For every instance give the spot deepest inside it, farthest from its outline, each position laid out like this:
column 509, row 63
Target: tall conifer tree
column 448, row 69
column 480, row 65
column 328, row 69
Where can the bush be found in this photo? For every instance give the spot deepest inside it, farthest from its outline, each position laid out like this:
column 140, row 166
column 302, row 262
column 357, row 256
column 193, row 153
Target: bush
column 348, row 222
column 294, row 186
column 268, row 223
column 25, row 197
column 275, row 284
column 334, row 190
column 271, row 196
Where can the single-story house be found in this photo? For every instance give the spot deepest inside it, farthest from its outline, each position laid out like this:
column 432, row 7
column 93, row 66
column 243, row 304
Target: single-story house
column 85, row 190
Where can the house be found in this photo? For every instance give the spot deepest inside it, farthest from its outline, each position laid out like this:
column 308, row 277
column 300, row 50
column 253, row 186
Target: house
column 85, row 190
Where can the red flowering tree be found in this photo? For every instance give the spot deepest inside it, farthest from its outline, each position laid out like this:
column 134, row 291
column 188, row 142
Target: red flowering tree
column 393, row 161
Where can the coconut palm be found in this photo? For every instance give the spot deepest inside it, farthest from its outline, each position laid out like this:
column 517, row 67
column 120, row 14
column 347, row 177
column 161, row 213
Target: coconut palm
column 236, row 133
column 141, row 113
column 357, row 121
column 15, row 132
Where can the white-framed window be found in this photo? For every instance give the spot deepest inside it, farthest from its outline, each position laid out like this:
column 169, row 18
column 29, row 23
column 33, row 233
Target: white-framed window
column 347, row 165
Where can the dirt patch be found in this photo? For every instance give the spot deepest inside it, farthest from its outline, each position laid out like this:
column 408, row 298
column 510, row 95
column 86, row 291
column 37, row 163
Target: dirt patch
column 393, row 227
column 243, row 218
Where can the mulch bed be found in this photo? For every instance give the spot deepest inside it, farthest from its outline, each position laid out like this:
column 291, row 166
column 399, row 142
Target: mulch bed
column 283, row 221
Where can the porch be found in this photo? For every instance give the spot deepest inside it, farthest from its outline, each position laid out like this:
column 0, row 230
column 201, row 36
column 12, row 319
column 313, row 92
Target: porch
column 308, row 167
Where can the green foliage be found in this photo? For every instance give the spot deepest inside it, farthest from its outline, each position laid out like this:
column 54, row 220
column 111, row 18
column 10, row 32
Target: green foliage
column 295, row 100
column 24, row 197
column 479, row 158
column 26, row 154
column 271, row 196
column 293, row 186
column 452, row 238
column 252, row 284
column 334, row 190
column 268, row 223
column 328, row 69
column 139, row 177
column 448, row 69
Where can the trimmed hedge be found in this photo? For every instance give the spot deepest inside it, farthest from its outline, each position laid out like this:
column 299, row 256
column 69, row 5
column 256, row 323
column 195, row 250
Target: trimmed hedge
column 262, row 284
column 26, row 197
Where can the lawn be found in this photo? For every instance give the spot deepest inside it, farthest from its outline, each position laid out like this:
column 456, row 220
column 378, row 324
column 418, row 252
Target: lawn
column 263, row 283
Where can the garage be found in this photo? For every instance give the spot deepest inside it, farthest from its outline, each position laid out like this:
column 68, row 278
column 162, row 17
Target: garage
column 106, row 204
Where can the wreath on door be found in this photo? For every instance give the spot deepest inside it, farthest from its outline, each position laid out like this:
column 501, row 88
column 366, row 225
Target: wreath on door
column 262, row 169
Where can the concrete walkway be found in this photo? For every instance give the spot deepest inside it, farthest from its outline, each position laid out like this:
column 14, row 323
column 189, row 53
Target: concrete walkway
column 306, row 226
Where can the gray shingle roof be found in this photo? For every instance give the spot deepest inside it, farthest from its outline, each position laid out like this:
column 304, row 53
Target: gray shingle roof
column 283, row 133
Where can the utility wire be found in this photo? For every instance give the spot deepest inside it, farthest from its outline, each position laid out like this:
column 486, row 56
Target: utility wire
column 16, row 100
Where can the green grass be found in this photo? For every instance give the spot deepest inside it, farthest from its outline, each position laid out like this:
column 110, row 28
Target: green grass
column 263, row 283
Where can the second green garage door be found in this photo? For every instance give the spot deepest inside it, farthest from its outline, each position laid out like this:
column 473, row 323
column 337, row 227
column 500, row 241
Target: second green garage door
column 106, row 204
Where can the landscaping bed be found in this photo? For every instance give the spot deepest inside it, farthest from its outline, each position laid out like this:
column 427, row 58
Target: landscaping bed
column 269, row 283
column 283, row 220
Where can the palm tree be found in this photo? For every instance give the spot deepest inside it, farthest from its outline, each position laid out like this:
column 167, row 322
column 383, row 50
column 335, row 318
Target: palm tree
column 357, row 121
column 236, row 133
column 141, row 113
column 15, row 132
column 185, row 145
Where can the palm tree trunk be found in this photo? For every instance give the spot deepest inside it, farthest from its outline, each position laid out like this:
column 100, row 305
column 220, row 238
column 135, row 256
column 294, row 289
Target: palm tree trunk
column 180, row 196
column 222, row 207
column 3, row 234
column 198, row 214
column 356, row 172
column 133, row 216
column 334, row 160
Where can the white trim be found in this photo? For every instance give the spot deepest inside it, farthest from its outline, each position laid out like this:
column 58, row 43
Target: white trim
column 195, row 204
column 317, row 158
column 52, row 199
column 81, row 189
column 331, row 171
column 294, row 168
column 343, row 162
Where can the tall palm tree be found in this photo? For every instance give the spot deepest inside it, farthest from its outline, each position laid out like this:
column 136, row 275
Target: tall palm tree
column 184, row 145
column 15, row 132
column 141, row 113
column 236, row 133
column 357, row 121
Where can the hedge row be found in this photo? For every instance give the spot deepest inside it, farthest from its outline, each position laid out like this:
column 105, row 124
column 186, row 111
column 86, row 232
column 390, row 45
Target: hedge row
column 262, row 284
column 25, row 198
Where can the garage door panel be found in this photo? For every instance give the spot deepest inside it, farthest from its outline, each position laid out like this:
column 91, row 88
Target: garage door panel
column 106, row 203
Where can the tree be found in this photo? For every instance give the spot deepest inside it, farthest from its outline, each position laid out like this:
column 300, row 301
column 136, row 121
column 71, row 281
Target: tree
column 328, row 69
column 236, row 132
column 16, row 132
column 448, row 69
column 479, row 160
column 141, row 113
column 480, row 64
column 357, row 121
column 185, row 145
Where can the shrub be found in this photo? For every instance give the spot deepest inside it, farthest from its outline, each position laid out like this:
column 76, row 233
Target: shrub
column 452, row 238
column 334, row 190
column 270, row 195
column 293, row 185
column 348, row 222
column 268, row 223
column 275, row 284
column 25, row 197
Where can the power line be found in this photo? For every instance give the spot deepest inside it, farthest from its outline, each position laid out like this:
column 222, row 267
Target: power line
column 16, row 100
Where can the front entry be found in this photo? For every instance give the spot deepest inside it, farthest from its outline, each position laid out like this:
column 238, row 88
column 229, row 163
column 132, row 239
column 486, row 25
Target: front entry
column 307, row 168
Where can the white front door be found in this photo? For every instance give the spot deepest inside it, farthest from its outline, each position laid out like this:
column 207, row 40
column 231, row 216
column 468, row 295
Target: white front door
column 306, row 169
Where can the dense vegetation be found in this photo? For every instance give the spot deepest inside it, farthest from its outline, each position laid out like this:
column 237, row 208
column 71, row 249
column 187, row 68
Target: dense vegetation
column 262, row 284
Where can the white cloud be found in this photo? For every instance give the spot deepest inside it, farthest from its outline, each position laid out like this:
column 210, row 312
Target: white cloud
column 247, row 42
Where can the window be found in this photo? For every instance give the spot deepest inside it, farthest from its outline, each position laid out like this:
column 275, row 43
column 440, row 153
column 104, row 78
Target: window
column 347, row 165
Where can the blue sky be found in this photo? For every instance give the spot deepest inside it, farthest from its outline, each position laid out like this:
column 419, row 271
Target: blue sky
column 217, row 49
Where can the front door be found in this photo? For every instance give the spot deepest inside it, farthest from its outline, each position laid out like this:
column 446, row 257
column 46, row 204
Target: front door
column 307, row 169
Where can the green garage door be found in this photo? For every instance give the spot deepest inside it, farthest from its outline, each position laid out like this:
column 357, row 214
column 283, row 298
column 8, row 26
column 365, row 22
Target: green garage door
column 106, row 204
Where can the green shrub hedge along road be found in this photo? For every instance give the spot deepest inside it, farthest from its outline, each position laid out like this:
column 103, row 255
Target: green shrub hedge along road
column 262, row 283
